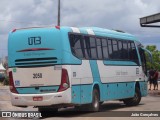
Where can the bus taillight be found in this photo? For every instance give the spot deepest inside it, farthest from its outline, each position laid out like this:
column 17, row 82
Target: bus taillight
column 64, row 81
column 11, row 83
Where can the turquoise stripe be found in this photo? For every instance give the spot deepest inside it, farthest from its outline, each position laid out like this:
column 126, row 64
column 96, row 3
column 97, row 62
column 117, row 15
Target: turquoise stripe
column 112, row 91
column 41, row 90
column 123, row 63
column 144, row 88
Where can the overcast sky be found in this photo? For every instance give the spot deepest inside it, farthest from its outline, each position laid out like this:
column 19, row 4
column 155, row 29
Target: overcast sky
column 111, row 14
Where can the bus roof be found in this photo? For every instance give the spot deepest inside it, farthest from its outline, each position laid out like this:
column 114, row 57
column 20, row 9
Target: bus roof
column 107, row 33
column 98, row 31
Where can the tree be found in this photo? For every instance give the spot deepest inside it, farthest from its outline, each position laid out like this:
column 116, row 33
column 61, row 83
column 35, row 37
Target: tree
column 155, row 57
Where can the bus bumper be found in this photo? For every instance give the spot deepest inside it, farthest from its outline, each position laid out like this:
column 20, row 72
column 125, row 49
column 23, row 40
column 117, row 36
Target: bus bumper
column 48, row 99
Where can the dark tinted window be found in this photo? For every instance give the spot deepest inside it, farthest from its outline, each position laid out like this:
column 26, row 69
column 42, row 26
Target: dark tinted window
column 76, row 45
column 110, row 48
column 129, row 49
column 105, row 48
column 120, row 46
column 93, row 48
column 133, row 53
column 125, row 51
column 115, row 49
column 99, row 48
column 120, row 50
column 129, row 45
column 87, row 51
column 115, row 46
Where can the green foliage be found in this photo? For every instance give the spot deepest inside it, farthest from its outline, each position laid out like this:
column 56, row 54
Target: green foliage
column 6, row 81
column 155, row 57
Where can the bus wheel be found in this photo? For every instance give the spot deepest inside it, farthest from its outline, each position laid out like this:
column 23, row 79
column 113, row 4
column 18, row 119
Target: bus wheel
column 94, row 106
column 135, row 100
column 47, row 110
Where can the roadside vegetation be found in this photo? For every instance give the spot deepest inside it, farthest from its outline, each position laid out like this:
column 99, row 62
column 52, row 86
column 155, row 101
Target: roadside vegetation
column 155, row 57
column 4, row 81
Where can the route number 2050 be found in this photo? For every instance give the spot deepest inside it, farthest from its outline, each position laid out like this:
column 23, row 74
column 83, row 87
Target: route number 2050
column 37, row 75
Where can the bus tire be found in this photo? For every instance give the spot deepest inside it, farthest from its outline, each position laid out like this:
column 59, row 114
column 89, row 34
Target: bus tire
column 95, row 105
column 135, row 100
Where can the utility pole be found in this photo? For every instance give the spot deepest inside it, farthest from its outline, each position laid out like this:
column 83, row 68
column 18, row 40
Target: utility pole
column 59, row 12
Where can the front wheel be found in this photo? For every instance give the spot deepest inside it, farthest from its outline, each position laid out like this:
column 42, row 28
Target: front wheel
column 135, row 100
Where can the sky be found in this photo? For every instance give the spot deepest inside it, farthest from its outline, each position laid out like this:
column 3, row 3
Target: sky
column 111, row 14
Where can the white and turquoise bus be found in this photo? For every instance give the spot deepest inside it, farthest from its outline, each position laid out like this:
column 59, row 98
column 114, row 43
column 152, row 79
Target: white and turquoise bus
column 57, row 67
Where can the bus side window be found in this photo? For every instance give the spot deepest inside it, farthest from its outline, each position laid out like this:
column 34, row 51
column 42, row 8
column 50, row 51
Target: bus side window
column 99, row 48
column 105, row 49
column 76, row 45
column 133, row 53
column 115, row 54
column 120, row 47
column 87, row 51
column 125, row 51
column 93, row 48
column 110, row 48
column 129, row 50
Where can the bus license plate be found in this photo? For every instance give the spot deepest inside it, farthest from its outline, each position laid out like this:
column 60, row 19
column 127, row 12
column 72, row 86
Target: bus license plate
column 38, row 98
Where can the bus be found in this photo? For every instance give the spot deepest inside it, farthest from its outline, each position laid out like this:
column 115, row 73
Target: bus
column 56, row 67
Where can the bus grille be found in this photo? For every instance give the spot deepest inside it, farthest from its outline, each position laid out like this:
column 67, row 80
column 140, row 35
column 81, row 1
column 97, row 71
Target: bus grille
column 36, row 62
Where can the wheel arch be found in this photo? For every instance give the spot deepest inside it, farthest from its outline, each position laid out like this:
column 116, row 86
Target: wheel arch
column 96, row 85
column 137, row 84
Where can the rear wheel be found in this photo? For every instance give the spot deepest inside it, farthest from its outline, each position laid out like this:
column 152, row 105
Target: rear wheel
column 94, row 106
column 135, row 100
